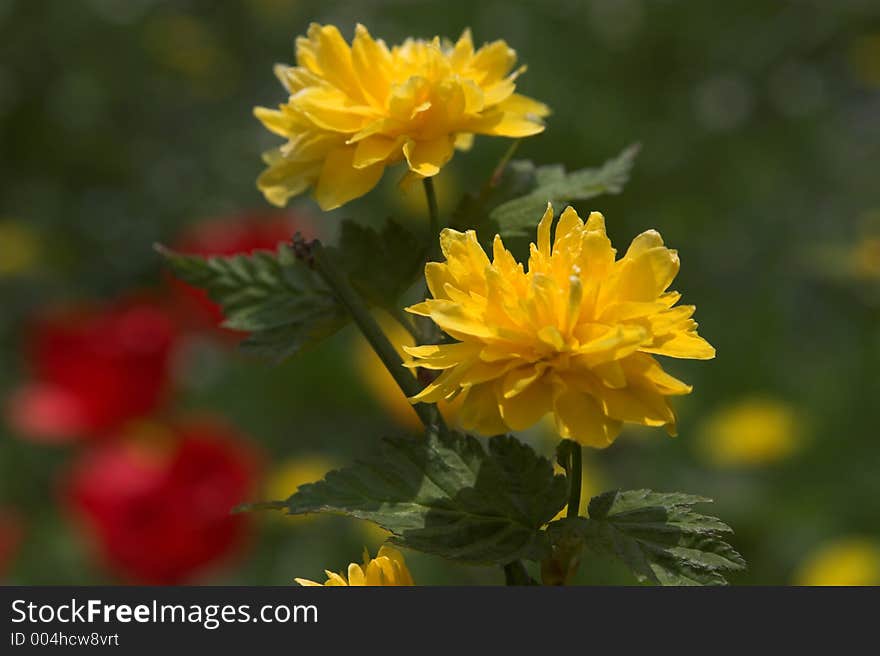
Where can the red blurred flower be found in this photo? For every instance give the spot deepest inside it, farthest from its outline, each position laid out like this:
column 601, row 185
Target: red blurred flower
column 236, row 235
column 157, row 505
column 11, row 534
column 94, row 369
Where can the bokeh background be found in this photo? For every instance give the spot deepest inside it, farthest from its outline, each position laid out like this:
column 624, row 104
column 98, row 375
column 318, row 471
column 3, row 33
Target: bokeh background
column 131, row 423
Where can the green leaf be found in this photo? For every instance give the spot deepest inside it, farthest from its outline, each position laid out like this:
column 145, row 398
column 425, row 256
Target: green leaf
column 381, row 265
column 513, row 207
column 283, row 305
column 519, row 216
column 657, row 535
column 445, row 495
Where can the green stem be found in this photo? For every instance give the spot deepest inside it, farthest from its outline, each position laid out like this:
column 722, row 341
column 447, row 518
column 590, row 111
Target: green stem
column 515, row 573
column 433, row 219
column 406, row 321
column 575, row 473
column 502, row 164
column 358, row 310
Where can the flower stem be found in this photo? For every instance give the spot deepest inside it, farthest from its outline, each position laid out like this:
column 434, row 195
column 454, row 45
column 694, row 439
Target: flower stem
column 349, row 298
column 575, row 474
column 433, row 218
column 515, row 573
column 499, row 168
column 406, row 321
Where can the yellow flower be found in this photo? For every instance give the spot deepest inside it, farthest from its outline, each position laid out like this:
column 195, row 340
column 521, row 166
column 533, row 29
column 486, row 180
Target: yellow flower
column 574, row 336
column 387, row 568
column 353, row 110
column 751, row 432
column 850, row 561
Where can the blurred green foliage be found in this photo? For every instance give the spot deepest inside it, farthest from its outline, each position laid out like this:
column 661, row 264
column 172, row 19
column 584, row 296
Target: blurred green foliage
column 121, row 121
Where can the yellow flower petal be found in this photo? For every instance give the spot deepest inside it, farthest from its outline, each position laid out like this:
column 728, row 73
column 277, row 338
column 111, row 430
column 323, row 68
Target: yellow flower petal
column 684, row 345
column 463, row 51
column 643, row 277
column 284, row 179
column 426, row 158
column 502, row 124
column 480, row 412
column 525, row 106
column 373, row 150
column 544, row 232
column 527, row 407
column 332, row 58
column 441, row 356
column 568, row 231
column 327, row 109
column 334, row 579
column 356, row 575
column 372, row 65
column 274, row 120
column 340, row 182
column 494, row 60
column 579, row 417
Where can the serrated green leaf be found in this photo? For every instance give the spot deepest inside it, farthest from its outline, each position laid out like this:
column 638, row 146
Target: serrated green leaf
column 513, row 207
column 657, row 535
column 382, row 265
column 609, row 178
column 283, row 305
column 621, row 503
column 519, row 216
column 445, row 495
column 550, row 174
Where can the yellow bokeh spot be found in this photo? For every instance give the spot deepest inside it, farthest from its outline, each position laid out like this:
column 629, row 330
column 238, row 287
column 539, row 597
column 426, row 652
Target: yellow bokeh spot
column 272, row 11
column 19, row 248
column 866, row 258
column 850, row 561
column 864, row 59
column 284, row 480
column 188, row 46
column 410, row 200
column 373, row 533
column 754, row 431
